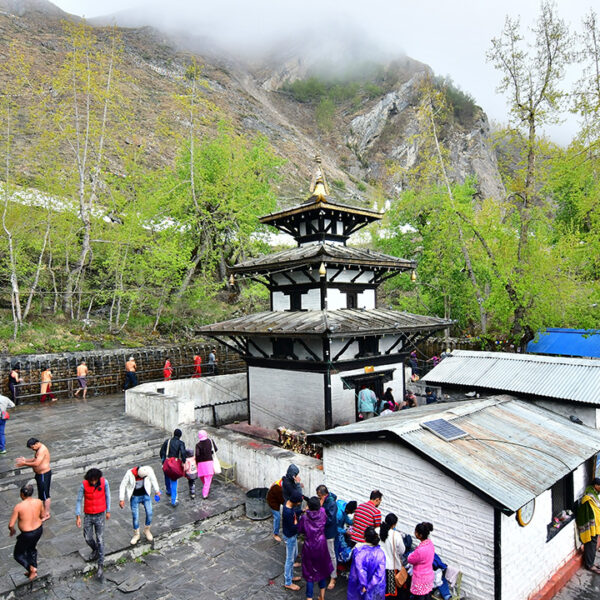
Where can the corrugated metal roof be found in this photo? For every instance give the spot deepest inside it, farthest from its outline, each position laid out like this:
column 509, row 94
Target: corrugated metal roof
column 312, row 254
column 335, row 323
column 514, row 451
column 567, row 342
column 575, row 379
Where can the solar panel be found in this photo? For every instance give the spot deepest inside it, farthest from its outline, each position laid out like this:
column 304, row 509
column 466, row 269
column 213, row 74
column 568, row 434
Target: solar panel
column 444, row 429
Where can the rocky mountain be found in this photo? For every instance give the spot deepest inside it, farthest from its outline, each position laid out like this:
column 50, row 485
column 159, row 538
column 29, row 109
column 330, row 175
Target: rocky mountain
column 359, row 121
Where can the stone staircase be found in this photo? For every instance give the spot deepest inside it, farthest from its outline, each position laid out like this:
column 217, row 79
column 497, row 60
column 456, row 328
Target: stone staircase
column 81, row 435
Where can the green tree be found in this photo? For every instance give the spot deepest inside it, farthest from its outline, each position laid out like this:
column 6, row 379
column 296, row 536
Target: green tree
column 86, row 119
column 233, row 177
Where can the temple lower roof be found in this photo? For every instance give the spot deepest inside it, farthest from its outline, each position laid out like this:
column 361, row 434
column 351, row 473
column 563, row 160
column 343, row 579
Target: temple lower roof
column 332, row 323
column 314, row 254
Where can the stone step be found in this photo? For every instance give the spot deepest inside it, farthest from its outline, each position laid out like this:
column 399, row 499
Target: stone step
column 189, row 519
column 100, row 458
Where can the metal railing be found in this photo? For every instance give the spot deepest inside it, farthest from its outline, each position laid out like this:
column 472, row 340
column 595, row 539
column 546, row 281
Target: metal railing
column 117, row 379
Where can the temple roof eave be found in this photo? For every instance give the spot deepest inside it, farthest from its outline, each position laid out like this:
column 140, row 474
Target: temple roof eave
column 334, row 254
column 326, row 324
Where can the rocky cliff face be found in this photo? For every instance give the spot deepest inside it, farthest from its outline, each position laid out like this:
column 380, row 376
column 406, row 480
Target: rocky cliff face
column 364, row 137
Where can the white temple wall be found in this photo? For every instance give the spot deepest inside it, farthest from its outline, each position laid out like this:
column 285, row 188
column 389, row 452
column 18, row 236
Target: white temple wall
column 335, row 299
column 265, row 344
column 348, row 274
column 281, row 301
column 343, row 402
column 349, row 353
column 297, row 276
column 366, row 299
column 292, row 399
column 316, row 345
column 387, row 341
column 312, row 300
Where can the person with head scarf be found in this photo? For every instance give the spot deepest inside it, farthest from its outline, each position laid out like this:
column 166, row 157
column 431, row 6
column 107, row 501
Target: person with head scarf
column 290, row 482
column 588, row 524
column 367, row 573
column 205, row 448
column 136, row 486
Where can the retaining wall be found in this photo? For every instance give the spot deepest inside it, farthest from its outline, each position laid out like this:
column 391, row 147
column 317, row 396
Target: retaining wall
column 211, row 400
column 258, row 464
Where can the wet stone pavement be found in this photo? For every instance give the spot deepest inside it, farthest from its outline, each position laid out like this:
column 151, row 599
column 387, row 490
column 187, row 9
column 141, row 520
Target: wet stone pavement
column 237, row 560
column 584, row 585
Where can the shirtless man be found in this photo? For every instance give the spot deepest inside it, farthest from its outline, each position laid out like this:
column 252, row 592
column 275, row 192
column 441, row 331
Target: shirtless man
column 29, row 513
column 46, row 388
column 130, row 376
column 40, row 464
column 82, row 372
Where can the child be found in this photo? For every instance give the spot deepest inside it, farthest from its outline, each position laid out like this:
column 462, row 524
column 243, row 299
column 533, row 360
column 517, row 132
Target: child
column 191, row 472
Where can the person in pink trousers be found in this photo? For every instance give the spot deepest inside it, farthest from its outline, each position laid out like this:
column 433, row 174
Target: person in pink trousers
column 422, row 561
column 204, row 459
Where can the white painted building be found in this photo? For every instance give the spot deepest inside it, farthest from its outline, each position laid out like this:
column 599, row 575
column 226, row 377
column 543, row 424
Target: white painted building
column 491, row 494
column 324, row 336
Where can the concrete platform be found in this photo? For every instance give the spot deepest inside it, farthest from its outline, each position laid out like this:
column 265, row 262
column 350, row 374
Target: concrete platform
column 95, row 433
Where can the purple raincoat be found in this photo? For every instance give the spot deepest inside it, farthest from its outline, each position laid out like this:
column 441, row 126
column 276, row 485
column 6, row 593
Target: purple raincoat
column 316, row 564
column 368, row 571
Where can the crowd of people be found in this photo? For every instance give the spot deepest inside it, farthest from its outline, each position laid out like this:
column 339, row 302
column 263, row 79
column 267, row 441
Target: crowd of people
column 381, row 561
column 16, row 381
column 139, row 486
column 369, row 405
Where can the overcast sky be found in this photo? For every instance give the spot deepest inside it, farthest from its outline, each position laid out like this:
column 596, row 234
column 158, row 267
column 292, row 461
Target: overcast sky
column 450, row 36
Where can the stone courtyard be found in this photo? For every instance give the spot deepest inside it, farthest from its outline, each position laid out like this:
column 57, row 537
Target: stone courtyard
column 202, row 549
column 205, row 548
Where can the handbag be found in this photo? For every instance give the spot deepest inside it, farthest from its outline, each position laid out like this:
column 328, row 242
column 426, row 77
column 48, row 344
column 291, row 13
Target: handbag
column 172, row 467
column 4, row 416
column 401, row 574
column 216, row 462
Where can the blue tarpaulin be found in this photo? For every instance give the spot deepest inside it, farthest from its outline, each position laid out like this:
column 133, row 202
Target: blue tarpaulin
column 567, row 342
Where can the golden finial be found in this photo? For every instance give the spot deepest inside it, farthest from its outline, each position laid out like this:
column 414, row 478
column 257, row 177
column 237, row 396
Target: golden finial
column 318, row 184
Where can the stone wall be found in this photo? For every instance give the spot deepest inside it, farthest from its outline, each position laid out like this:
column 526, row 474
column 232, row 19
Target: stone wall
column 107, row 367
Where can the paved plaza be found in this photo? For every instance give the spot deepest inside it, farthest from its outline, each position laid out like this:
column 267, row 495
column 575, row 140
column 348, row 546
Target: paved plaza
column 203, row 548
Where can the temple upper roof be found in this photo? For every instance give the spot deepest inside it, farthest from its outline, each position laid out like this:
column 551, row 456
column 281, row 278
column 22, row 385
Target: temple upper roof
column 320, row 218
column 331, row 254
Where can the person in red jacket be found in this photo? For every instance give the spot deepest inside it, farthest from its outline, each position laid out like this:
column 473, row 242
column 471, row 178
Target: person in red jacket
column 95, row 493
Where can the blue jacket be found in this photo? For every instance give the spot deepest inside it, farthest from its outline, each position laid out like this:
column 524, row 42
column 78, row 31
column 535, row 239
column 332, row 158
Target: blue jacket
column 330, row 506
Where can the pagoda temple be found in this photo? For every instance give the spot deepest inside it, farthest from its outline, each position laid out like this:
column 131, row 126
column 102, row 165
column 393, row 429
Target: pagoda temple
column 324, row 336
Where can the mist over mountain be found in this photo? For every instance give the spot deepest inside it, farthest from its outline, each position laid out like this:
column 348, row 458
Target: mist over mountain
column 275, row 76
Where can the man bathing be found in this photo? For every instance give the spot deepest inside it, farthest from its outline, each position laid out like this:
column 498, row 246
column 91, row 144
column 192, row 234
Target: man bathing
column 40, row 464
column 82, row 372
column 29, row 514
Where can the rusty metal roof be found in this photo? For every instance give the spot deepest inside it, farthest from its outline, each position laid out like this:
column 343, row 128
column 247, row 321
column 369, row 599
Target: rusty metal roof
column 314, row 254
column 514, row 451
column 333, row 323
column 574, row 379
